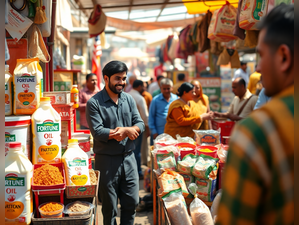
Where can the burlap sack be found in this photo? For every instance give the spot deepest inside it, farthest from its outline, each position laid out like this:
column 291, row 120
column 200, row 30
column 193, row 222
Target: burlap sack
column 36, row 45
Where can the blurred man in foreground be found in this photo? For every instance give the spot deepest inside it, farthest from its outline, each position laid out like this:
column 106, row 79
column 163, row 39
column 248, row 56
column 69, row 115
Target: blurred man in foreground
column 258, row 183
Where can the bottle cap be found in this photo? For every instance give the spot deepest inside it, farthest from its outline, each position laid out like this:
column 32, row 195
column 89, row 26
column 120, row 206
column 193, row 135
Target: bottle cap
column 72, row 141
column 43, row 99
column 15, row 145
column 75, row 85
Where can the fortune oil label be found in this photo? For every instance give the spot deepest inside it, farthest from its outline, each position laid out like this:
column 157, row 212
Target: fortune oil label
column 208, row 139
column 79, row 180
column 48, row 153
column 10, row 137
column 14, row 188
column 77, row 162
column 47, row 125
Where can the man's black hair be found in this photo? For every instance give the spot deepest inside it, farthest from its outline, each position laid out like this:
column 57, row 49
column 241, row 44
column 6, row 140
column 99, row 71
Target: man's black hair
column 243, row 63
column 279, row 25
column 114, row 67
column 181, row 76
column 90, row 75
column 137, row 83
column 159, row 77
column 241, row 81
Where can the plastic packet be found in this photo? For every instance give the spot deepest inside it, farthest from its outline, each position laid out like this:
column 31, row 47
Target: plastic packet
column 205, row 167
column 199, row 211
column 222, row 152
column 188, row 178
column 214, row 207
column 163, row 152
column 164, row 140
column 187, row 163
column 165, row 161
column 185, row 139
column 176, row 208
column 171, row 181
column 207, row 137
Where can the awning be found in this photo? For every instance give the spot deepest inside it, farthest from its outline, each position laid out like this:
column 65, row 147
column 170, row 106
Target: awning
column 204, row 6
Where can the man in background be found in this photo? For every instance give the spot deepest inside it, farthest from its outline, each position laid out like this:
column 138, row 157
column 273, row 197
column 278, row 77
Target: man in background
column 242, row 72
column 136, row 91
column 181, row 80
column 258, row 182
column 131, row 80
column 155, row 85
column 159, row 107
column 85, row 94
column 242, row 104
column 158, row 70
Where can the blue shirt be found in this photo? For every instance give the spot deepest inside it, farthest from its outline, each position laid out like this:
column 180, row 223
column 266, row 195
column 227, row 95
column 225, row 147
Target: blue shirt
column 158, row 113
column 262, row 99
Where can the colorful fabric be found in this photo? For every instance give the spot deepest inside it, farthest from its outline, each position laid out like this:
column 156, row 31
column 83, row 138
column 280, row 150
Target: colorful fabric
column 258, row 183
column 253, row 80
column 182, row 119
column 202, row 34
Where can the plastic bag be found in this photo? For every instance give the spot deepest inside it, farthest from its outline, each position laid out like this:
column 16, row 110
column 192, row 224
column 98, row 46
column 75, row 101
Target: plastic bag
column 185, row 139
column 222, row 24
column 214, row 207
column 186, row 165
column 206, row 189
column 207, row 137
column 188, row 178
column 171, row 181
column 205, row 167
column 162, row 153
column 167, row 162
column 222, row 152
column 176, row 208
column 200, row 212
column 164, row 140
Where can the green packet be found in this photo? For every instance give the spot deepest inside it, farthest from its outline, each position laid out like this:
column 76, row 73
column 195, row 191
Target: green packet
column 187, row 163
column 205, row 167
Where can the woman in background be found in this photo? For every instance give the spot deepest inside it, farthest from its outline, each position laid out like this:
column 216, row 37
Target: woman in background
column 203, row 103
column 183, row 114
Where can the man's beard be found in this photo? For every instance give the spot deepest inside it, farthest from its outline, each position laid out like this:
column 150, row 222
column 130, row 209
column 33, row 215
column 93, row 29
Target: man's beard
column 113, row 88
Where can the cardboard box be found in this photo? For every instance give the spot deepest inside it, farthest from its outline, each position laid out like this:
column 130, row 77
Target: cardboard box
column 59, row 97
column 85, row 191
column 63, row 80
column 66, row 111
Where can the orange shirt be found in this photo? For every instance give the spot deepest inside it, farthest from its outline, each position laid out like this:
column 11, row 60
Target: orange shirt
column 148, row 98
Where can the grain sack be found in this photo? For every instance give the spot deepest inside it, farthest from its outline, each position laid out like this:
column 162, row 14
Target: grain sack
column 252, row 11
column 176, row 208
column 199, row 211
column 205, row 167
column 165, row 161
column 188, row 178
column 186, row 165
column 222, row 24
column 206, row 189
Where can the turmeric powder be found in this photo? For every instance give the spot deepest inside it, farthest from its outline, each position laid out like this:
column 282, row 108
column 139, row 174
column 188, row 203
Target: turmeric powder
column 51, row 207
column 47, row 175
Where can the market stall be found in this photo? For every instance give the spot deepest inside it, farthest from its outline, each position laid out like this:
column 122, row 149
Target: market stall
column 48, row 164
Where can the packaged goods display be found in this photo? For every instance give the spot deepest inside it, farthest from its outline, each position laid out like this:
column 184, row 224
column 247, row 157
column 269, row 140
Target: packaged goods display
column 75, row 161
column 78, row 208
column 8, row 91
column 187, row 163
column 207, row 137
column 46, row 130
column 28, row 82
column 18, row 195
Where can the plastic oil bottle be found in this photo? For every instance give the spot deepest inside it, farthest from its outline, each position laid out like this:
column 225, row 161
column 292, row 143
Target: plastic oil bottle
column 75, row 162
column 18, row 195
column 8, row 91
column 75, row 96
column 46, row 130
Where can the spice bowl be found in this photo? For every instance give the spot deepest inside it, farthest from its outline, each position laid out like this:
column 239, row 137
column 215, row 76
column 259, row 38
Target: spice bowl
column 78, row 208
column 51, row 213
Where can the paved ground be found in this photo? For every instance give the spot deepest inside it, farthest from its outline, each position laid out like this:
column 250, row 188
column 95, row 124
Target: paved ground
column 142, row 218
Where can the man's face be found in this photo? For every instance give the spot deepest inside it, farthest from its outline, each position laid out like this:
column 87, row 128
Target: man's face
column 244, row 67
column 140, row 89
column 238, row 89
column 267, row 65
column 117, row 82
column 92, row 82
column 197, row 89
column 166, row 90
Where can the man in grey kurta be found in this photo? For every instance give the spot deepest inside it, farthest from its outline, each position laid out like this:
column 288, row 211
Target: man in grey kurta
column 115, row 123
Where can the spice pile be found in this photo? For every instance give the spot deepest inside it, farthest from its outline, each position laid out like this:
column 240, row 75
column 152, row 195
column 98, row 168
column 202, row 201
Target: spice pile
column 51, row 207
column 47, row 175
column 78, row 207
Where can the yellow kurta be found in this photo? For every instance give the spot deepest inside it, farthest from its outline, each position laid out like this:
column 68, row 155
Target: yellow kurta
column 191, row 112
column 202, row 107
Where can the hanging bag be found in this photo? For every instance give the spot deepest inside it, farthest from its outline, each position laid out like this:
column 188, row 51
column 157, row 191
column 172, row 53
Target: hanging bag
column 222, row 24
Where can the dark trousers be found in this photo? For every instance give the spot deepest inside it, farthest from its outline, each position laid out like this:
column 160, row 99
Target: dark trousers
column 137, row 152
column 118, row 180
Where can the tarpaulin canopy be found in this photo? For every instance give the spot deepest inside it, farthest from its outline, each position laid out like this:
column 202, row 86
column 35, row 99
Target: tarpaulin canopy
column 199, row 7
